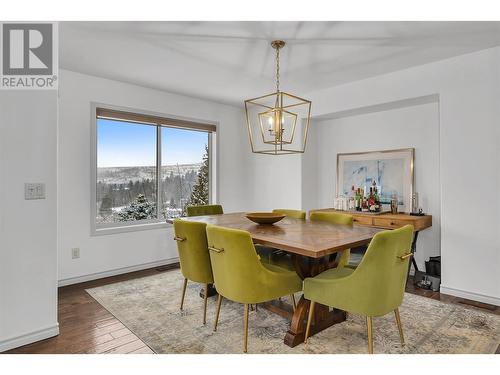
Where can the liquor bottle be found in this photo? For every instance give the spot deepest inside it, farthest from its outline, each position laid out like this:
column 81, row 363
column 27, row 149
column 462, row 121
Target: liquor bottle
column 352, row 199
column 361, row 198
column 374, row 202
column 371, row 200
column 358, row 199
column 364, row 204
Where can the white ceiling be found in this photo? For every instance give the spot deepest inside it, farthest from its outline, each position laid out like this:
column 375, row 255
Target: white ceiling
column 232, row 61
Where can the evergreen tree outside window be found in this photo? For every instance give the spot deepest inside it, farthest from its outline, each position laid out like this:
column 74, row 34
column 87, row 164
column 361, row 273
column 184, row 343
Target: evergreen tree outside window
column 200, row 191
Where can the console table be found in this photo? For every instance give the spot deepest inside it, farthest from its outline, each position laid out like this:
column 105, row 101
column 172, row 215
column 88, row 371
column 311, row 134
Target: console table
column 389, row 221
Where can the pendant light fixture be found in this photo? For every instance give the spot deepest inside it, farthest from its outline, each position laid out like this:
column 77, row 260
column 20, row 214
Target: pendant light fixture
column 278, row 123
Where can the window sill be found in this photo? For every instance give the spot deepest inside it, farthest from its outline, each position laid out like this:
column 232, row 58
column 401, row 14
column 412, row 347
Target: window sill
column 130, row 228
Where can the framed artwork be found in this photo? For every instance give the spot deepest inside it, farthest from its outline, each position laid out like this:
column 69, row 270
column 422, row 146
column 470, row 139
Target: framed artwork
column 392, row 170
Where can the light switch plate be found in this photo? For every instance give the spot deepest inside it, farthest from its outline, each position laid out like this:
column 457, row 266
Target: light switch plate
column 75, row 253
column 34, row 190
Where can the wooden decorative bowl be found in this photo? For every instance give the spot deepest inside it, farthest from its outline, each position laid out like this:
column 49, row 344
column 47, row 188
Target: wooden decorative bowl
column 264, row 217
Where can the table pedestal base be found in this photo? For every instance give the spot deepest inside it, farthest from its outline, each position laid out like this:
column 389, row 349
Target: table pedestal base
column 211, row 291
column 280, row 307
column 322, row 319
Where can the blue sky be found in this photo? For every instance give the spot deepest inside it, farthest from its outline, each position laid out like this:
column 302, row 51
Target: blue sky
column 123, row 144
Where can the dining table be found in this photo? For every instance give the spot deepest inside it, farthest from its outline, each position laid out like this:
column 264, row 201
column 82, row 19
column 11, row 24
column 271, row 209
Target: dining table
column 314, row 246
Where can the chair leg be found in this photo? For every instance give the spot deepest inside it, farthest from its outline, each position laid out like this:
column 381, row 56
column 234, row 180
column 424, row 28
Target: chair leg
column 369, row 326
column 219, row 301
column 205, row 300
column 400, row 327
column 309, row 319
column 183, row 292
column 245, row 329
column 293, row 301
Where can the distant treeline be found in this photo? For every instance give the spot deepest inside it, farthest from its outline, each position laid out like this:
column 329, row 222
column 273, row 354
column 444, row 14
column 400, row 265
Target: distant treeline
column 175, row 190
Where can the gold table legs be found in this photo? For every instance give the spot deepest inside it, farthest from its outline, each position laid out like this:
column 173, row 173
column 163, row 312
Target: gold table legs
column 183, row 292
column 219, row 300
column 309, row 319
column 245, row 328
column 400, row 327
column 369, row 328
column 205, row 299
column 293, row 301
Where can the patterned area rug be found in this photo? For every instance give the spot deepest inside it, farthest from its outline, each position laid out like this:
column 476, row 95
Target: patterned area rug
column 149, row 307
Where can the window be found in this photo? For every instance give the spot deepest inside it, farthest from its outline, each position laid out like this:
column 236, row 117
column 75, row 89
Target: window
column 148, row 168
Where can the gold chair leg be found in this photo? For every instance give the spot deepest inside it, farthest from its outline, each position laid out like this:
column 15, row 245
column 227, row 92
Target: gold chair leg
column 256, row 308
column 309, row 319
column 219, row 301
column 245, row 329
column 400, row 327
column 369, row 326
column 183, row 292
column 293, row 301
column 205, row 300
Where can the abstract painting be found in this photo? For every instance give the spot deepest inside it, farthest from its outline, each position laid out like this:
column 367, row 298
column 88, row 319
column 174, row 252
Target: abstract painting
column 392, row 171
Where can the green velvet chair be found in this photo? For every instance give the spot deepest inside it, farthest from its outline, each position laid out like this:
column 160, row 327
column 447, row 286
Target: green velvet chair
column 294, row 214
column 241, row 277
column 194, row 258
column 375, row 288
column 208, row 209
column 335, row 218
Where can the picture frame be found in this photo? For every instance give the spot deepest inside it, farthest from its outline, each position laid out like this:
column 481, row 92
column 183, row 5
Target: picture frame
column 392, row 170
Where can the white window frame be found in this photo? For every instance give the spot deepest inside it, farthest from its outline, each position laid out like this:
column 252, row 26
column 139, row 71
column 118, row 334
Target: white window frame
column 112, row 228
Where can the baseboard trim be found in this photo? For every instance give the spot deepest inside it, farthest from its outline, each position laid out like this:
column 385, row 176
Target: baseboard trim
column 470, row 295
column 116, row 271
column 30, row 337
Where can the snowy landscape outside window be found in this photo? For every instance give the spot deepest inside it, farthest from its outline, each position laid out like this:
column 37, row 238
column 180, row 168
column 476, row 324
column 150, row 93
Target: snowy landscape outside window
column 149, row 169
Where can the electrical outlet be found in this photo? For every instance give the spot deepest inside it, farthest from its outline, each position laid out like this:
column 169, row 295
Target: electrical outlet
column 34, row 191
column 75, row 253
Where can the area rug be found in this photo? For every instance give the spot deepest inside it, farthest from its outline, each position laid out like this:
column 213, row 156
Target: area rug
column 149, row 307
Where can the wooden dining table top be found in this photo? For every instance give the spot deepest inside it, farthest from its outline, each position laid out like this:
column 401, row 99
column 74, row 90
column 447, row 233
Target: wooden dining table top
column 314, row 239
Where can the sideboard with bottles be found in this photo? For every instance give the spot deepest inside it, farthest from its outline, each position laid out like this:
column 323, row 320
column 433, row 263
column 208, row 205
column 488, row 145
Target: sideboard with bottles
column 387, row 220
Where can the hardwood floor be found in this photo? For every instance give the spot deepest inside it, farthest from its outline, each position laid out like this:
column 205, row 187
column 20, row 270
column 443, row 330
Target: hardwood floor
column 87, row 327
column 410, row 288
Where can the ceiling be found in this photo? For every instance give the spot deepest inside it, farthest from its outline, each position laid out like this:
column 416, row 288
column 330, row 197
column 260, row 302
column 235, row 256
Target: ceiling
column 232, row 61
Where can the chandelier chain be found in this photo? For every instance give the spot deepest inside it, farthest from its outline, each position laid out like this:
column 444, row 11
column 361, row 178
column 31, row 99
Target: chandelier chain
column 277, row 69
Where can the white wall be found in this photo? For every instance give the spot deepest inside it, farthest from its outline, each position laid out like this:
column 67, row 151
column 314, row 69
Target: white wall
column 118, row 252
column 274, row 181
column 310, row 171
column 469, row 90
column 414, row 126
column 28, row 256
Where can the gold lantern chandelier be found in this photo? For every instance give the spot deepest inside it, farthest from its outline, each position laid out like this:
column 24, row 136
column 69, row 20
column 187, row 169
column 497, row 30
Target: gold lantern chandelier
column 278, row 123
